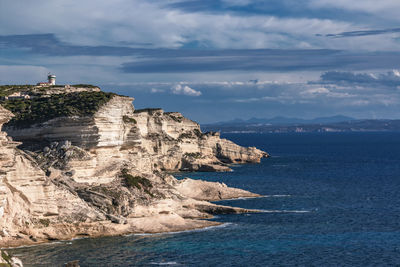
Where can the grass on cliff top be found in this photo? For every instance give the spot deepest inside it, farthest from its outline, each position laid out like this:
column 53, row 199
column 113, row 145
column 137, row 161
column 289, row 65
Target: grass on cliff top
column 6, row 90
column 36, row 110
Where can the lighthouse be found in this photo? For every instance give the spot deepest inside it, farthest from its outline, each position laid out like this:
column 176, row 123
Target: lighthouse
column 52, row 79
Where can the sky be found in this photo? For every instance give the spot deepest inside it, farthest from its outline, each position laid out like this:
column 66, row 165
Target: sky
column 214, row 60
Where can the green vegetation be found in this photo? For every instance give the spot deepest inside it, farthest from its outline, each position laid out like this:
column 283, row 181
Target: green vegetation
column 136, row 181
column 6, row 256
column 6, row 90
column 148, row 110
column 84, row 85
column 128, row 119
column 185, row 135
column 195, row 155
column 49, row 87
column 36, row 110
column 195, row 133
column 45, row 222
column 175, row 118
column 198, row 133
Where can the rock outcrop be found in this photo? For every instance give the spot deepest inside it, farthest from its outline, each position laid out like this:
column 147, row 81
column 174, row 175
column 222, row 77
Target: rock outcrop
column 106, row 174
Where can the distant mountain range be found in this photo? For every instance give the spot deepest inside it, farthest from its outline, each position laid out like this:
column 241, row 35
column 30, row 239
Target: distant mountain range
column 286, row 120
column 338, row 123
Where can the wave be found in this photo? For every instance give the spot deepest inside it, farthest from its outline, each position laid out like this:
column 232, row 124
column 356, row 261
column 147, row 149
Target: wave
column 165, row 263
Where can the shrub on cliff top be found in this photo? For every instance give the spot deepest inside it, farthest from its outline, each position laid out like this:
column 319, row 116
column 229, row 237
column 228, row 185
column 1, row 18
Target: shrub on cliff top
column 148, row 110
column 36, row 110
column 84, row 85
column 6, row 90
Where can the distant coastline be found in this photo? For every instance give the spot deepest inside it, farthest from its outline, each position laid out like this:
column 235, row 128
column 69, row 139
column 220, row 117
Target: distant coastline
column 379, row 125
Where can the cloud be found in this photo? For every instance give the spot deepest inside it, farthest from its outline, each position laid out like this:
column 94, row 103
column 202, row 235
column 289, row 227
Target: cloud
column 319, row 90
column 156, row 90
column 49, row 44
column 262, row 60
column 362, row 33
column 167, row 60
column 141, row 23
column 184, row 90
column 389, row 79
column 386, row 9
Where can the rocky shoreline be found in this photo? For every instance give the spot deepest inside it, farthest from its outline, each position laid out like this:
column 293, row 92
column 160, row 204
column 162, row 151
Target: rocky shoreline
column 107, row 173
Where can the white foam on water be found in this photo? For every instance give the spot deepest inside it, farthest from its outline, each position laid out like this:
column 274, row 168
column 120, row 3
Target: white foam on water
column 246, row 198
column 165, row 263
column 238, row 198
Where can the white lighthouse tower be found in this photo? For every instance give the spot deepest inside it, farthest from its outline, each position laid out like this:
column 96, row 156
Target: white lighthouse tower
column 52, row 79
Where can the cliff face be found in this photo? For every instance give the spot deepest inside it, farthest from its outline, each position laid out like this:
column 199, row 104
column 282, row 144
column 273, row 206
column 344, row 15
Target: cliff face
column 105, row 128
column 104, row 174
column 27, row 195
column 179, row 144
column 147, row 140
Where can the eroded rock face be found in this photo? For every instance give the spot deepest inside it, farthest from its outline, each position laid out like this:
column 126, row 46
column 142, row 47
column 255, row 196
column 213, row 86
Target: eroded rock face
column 179, row 144
column 105, row 128
column 150, row 140
column 27, row 196
column 105, row 175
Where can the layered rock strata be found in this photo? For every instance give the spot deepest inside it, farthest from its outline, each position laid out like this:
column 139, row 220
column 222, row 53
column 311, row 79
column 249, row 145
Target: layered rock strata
column 106, row 174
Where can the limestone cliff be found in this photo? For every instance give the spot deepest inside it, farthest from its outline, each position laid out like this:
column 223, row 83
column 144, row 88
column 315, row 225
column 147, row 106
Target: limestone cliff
column 104, row 173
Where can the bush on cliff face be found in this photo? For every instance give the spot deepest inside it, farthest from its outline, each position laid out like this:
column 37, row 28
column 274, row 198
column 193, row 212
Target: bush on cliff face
column 148, row 110
column 30, row 111
column 128, row 119
column 135, row 181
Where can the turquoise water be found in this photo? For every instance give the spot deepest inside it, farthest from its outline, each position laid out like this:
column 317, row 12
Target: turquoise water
column 331, row 200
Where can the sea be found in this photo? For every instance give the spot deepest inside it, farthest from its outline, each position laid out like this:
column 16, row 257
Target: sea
column 329, row 199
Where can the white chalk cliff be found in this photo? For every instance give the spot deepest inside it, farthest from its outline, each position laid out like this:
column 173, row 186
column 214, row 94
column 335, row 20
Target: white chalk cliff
column 107, row 174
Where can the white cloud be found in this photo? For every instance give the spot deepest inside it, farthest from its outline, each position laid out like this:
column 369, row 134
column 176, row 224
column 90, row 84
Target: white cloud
column 184, row 90
column 313, row 91
column 382, row 8
column 156, row 90
column 360, row 103
column 105, row 23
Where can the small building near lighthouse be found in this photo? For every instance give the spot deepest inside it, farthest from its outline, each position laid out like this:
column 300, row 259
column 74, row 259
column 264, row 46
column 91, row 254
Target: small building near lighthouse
column 51, row 80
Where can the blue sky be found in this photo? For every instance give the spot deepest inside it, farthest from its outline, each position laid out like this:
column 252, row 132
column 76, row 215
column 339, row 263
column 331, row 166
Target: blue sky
column 214, row 60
